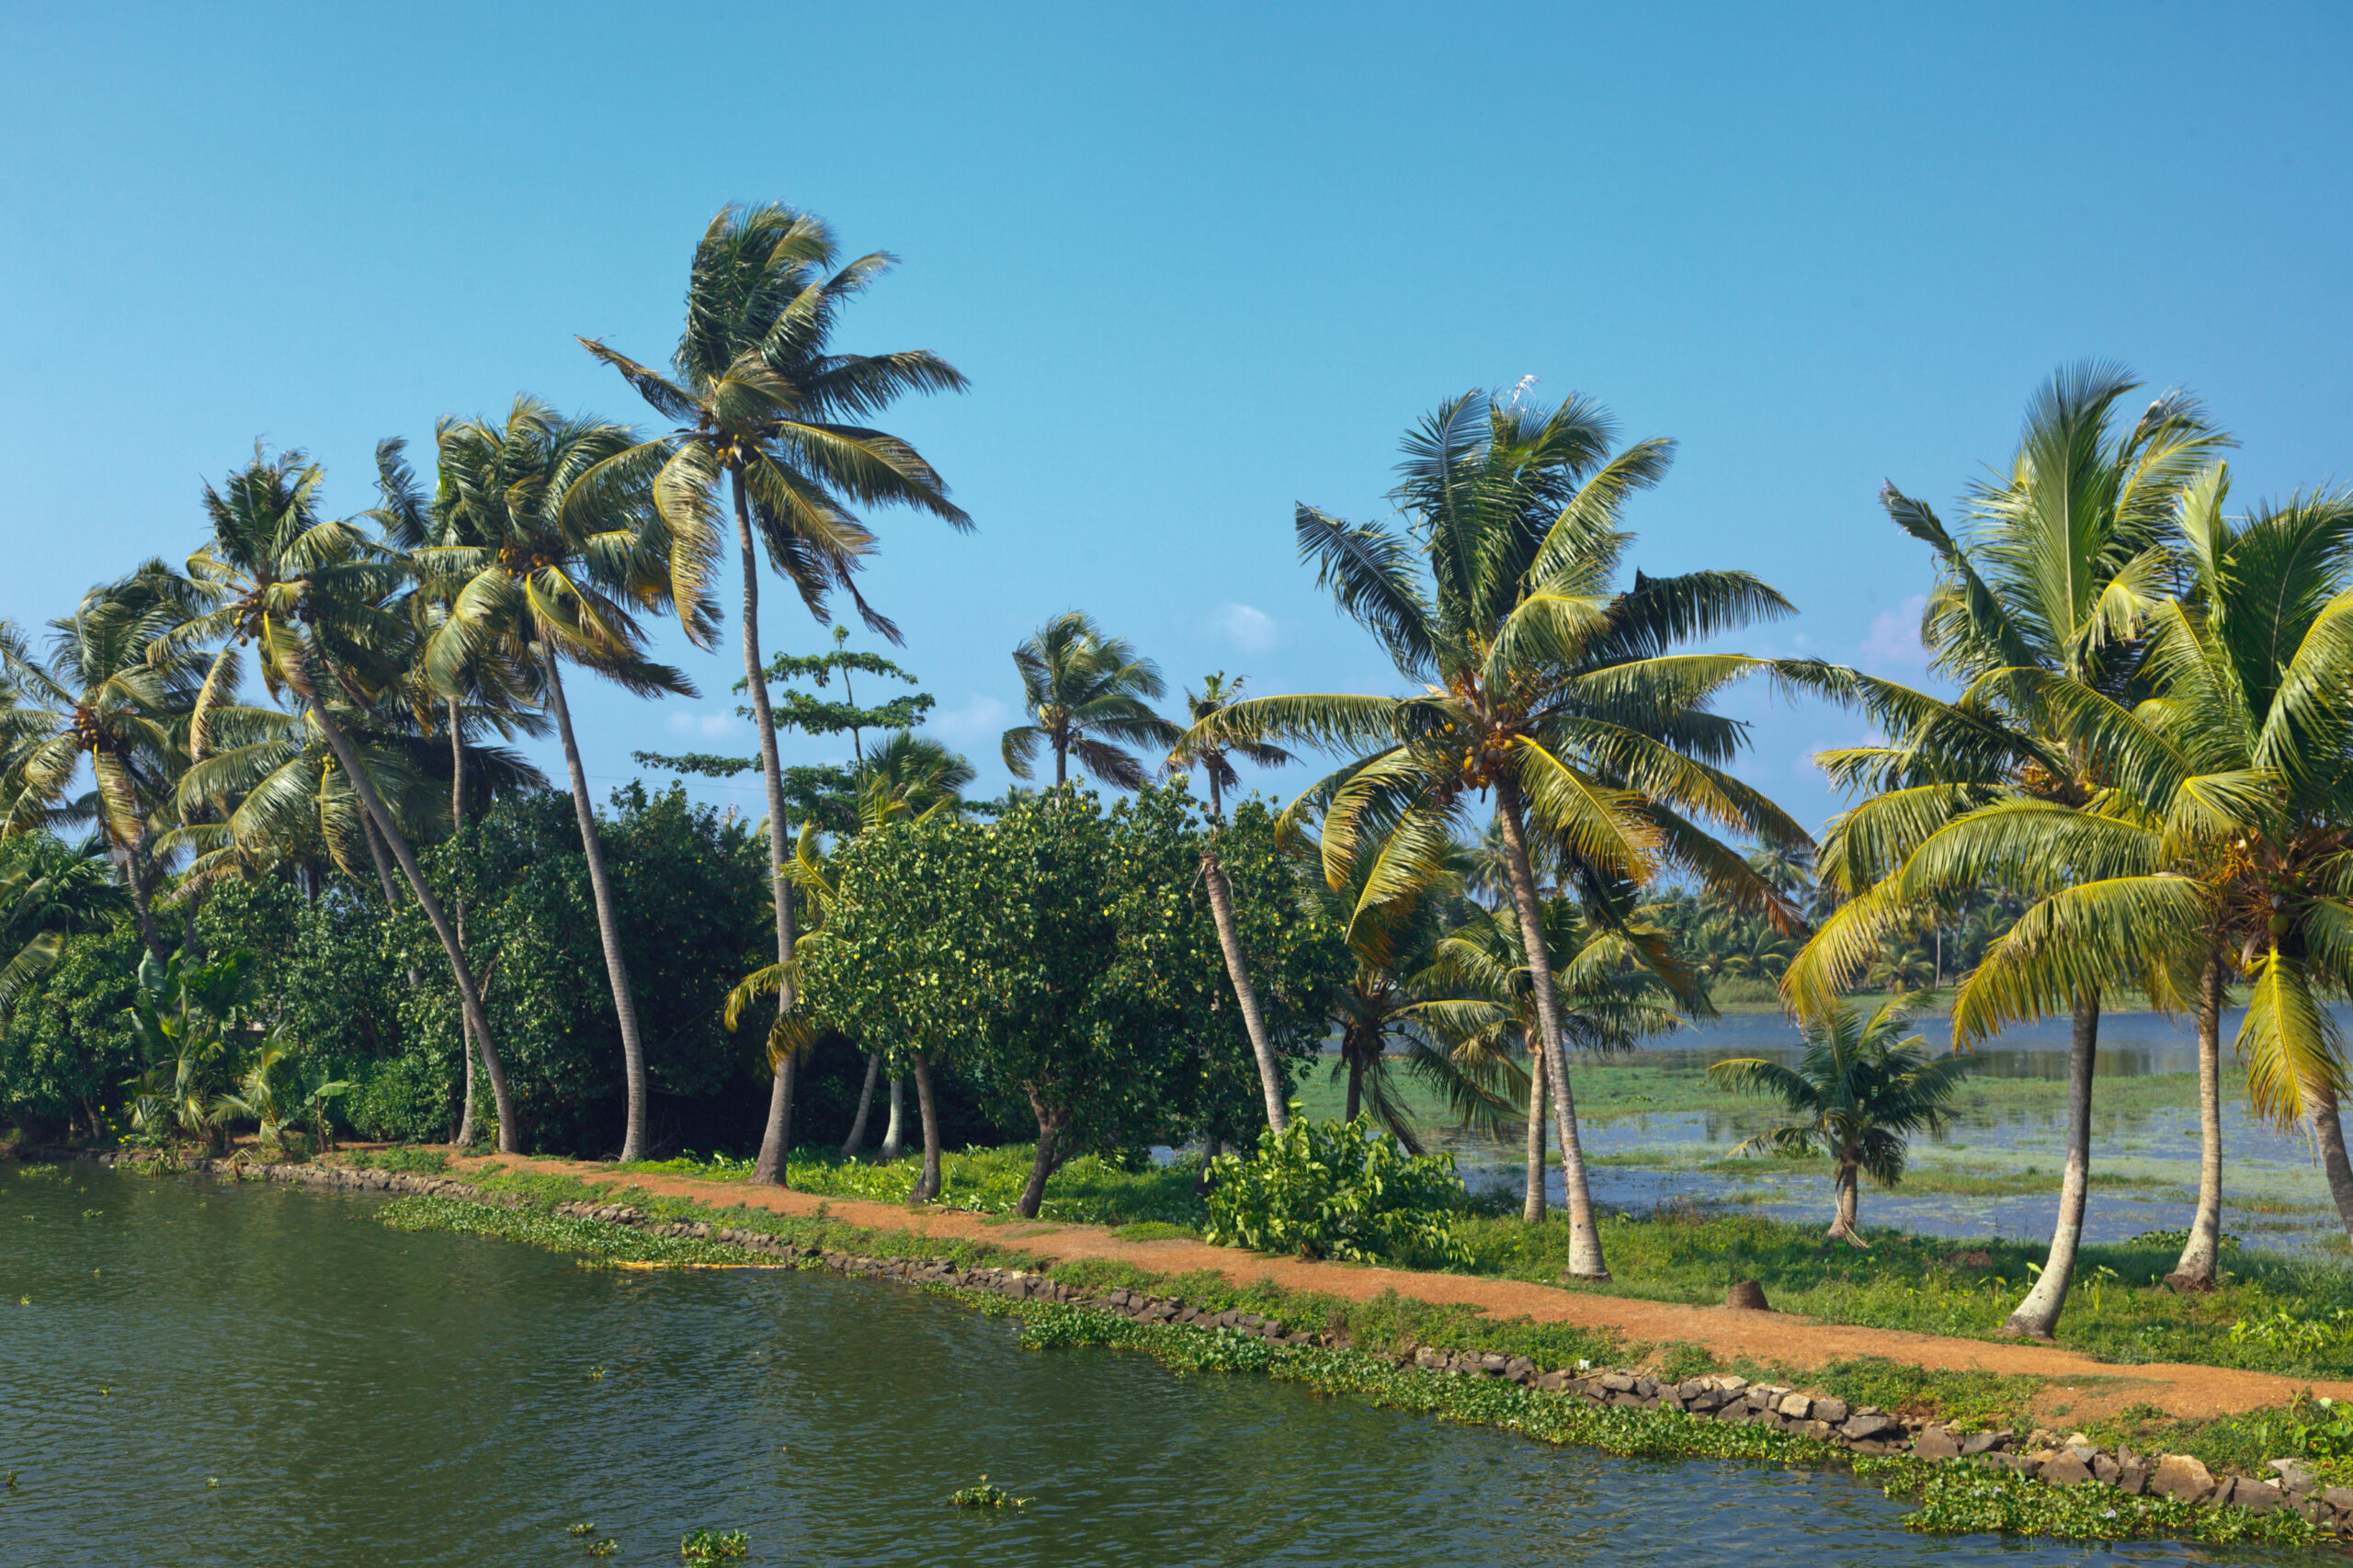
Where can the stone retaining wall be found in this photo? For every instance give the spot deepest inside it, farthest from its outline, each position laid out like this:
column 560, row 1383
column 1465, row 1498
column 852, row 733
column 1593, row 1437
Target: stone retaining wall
column 2068, row 1459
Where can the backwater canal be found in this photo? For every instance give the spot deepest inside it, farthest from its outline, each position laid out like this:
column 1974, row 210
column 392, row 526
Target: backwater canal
column 203, row 1372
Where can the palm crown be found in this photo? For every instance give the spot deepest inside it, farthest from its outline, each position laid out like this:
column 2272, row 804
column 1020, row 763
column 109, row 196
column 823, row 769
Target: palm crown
column 1086, row 694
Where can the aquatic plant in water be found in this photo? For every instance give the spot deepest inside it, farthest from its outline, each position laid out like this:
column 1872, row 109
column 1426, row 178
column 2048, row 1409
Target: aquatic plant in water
column 714, row 1545
column 985, row 1494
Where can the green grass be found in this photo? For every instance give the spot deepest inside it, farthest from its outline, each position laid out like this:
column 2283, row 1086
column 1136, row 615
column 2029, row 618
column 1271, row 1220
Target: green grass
column 1089, row 1190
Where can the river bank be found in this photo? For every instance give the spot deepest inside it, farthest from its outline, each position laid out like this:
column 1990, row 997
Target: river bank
column 1125, row 1293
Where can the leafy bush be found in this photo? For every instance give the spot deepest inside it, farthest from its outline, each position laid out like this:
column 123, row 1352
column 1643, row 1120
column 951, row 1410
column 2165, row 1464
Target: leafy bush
column 1342, row 1191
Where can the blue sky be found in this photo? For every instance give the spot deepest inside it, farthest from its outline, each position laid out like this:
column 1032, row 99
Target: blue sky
column 1200, row 263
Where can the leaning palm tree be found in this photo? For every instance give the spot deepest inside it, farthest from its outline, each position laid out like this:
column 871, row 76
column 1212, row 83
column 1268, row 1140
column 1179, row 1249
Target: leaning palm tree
column 2041, row 608
column 1859, row 1093
column 314, row 600
column 1540, row 685
column 532, row 568
column 114, row 697
column 762, row 404
column 1215, row 759
column 1618, row 982
column 1088, row 696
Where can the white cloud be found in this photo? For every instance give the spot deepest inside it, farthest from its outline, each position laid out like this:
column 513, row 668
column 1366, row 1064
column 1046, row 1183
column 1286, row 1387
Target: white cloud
column 706, row 726
column 1247, row 627
column 1894, row 638
column 977, row 718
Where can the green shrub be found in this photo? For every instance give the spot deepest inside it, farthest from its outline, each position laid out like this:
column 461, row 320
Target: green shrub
column 1330, row 1189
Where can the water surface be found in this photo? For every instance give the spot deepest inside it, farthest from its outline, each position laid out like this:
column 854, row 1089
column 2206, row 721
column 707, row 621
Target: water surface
column 371, row 1399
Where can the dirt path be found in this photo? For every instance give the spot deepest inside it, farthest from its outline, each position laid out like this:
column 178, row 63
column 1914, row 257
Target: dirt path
column 1774, row 1338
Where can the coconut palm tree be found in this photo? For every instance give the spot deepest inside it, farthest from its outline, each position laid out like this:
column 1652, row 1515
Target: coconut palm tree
column 1861, row 1094
column 762, row 406
column 1616, row 979
column 2041, row 608
column 1088, row 696
column 534, row 570
column 114, row 698
column 1538, row 685
column 1215, row 760
column 315, row 599
column 50, row 890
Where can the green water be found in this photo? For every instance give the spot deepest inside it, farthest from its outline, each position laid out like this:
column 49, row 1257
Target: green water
column 371, row 1399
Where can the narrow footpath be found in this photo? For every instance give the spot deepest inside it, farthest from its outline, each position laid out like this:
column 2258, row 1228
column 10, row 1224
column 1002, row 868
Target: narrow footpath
column 1774, row 1338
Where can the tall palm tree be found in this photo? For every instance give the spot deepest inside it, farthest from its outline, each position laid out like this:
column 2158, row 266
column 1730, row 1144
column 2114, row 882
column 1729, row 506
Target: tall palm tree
column 2041, row 608
column 1538, row 684
column 315, row 600
column 1088, row 696
column 534, row 570
column 1861, row 1093
column 1215, row 759
column 761, row 403
column 1616, row 979
column 497, row 688
column 114, row 696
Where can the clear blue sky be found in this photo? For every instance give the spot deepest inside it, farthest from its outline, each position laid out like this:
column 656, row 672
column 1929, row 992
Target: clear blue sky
column 1199, row 262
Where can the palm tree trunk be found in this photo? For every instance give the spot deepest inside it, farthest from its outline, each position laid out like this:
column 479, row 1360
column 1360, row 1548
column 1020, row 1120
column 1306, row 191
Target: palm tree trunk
column 772, row 1164
column 1532, row 1207
column 927, row 1109
column 1061, row 761
column 856, row 1139
column 469, row 996
column 894, row 1131
column 1585, row 1261
column 1845, row 1186
column 2195, row 1272
column 458, row 911
column 391, row 888
column 146, row 911
column 1352, row 1051
column 2328, row 1135
column 608, row 924
column 1237, row 969
column 2039, row 1313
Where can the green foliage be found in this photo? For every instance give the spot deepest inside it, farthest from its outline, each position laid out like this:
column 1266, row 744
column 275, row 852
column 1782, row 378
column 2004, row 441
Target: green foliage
column 985, row 1494
column 416, row 1162
column 1341, row 1190
column 715, row 1546
column 1968, row 1499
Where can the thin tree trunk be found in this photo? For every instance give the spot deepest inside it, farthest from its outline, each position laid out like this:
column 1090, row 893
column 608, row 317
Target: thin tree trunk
column 2196, row 1269
column 856, row 1139
column 1585, row 1261
column 772, row 1166
column 391, row 888
column 458, row 912
column 2039, row 1313
column 1049, row 1128
column 146, row 911
column 608, row 924
column 1532, row 1207
column 469, row 996
column 1845, row 1186
column 2328, row 1133
column 1352, row 1051
column 927, row 1111
column 1237, row 969
column 895, row 1132
column 1062, row 762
